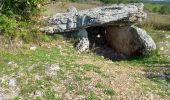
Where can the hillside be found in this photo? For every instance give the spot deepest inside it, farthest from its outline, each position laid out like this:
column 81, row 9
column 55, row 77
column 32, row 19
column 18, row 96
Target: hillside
column 53, row 70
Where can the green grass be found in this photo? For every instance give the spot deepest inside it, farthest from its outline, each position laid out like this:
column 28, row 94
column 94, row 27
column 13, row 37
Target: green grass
column 109, row 92
column 92, row 96
column 99, row 85
column 89, row 67
column 156, row 85
column 70, row 87
column 153, row 6
column 71, row 75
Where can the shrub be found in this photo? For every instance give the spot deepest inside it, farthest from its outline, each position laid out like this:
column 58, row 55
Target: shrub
column 10, row 28
column 165, row 9
column 23, row 8
column 17, row 19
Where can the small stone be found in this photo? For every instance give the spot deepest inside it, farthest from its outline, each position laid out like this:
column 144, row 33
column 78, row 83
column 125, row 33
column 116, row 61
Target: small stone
column 13, row 64
column 167, row 36
column 72, row 10
column 37, row 94
column 33, row 48
column 12, row 82
column 162, row 48
column 51, row 69
column 59, row 46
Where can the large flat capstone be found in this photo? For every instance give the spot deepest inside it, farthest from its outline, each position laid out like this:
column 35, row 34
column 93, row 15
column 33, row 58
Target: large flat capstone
column 114, row 14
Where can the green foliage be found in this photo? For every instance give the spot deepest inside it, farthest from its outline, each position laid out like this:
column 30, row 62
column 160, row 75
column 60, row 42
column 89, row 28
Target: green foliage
column 165, row 9
column 23, row 8
column 152, row 7
column 159, row 8
column 10, row 28
column 17, row 20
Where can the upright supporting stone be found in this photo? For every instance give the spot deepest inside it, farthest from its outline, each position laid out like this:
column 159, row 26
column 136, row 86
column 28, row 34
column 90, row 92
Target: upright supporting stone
column 129, row 40
column 83, row 43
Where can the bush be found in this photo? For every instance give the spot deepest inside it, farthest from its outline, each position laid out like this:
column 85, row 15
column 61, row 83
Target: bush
column 165, row 9
column 23, row 8
column 27, row 31
column 17, row 19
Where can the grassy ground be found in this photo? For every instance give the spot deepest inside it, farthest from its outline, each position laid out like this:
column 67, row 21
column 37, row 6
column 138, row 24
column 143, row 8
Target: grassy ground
column 55, row 71
column 153, row 6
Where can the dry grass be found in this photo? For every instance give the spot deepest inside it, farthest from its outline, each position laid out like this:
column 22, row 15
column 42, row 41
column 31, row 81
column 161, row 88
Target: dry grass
column 157, row 21
column 52, row 9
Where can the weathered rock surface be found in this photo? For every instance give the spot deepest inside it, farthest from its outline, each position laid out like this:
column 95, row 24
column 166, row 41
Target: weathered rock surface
column 73, row 20
column 129, row 40
column 83, row 43
column 114, row 25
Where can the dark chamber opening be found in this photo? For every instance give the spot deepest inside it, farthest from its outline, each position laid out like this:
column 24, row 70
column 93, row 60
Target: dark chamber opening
column 100, row 45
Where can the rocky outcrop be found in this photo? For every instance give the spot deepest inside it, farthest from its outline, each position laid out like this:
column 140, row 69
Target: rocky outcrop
column 116, row 22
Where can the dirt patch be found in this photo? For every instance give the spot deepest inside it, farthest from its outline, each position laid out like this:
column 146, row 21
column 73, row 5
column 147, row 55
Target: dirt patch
column 121, row 79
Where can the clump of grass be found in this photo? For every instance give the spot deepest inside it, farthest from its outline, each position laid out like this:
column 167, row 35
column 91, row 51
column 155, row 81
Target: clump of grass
column 97, row 70
column 89, row 67
column 99, row 85
column 109, row 92
column 50, row 95
column 70, row 87
column 78, row 78
column 92, row 96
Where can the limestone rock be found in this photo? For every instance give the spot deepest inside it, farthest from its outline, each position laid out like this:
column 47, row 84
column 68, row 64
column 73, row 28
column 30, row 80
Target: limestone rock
column 12, row 82
column 83, row 43
column 114, row 25
column 129, row 40
column 73, row 20
column 144, row 41
column 72, row 10
column 51, row 69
